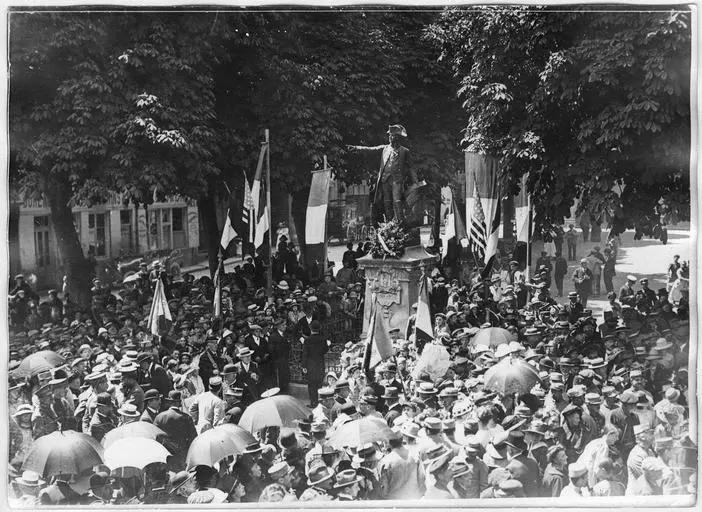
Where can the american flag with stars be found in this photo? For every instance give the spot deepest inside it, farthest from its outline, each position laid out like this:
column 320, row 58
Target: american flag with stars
column 477, row 228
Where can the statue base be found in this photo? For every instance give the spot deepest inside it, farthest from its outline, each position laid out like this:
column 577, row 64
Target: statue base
column 395, row 283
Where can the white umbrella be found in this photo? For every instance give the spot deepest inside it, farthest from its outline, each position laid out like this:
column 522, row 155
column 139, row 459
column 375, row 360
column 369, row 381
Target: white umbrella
column 274, row 411
column 135, row 452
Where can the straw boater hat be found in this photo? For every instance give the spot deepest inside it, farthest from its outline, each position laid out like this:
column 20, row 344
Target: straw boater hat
column 30, row 479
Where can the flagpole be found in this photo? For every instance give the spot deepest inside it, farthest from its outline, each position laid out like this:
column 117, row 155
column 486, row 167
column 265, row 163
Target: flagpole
column 269, row 270
column 324, row 252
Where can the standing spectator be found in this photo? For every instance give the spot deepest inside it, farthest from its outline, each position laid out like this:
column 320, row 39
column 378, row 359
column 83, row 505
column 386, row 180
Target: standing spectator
column 544, row 262
column 208, row 410
column 210, row 362
column 554, row 479
column 560, row 270
column 571, row 238
column 585, row 226
column 673, row 272
column 582, row 279
column 558, row 237
column 608, row 271
column 313, row 351
column 280, row 350
column 349, row 256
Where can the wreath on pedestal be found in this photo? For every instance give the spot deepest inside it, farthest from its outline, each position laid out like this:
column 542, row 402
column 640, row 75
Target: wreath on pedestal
column 390, row 241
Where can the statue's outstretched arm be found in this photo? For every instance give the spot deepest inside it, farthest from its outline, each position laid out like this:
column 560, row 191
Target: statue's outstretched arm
column 366, row 148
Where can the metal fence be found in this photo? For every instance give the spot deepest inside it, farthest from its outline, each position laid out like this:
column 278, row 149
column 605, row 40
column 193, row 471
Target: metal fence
column 338, row 329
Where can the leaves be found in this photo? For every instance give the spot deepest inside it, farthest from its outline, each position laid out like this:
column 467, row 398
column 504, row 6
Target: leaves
column 572, row 97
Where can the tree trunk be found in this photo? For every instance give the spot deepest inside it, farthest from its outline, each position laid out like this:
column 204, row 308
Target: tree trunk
column 207, row 210
column 74, row 262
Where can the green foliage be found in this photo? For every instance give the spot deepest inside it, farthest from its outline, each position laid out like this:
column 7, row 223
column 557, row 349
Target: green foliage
column 594, row 106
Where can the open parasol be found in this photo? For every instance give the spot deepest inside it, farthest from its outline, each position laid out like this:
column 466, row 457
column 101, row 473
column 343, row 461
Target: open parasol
column 492, row 336
column 274, row 411
column 218, row 443
column 435, row 361
column 360, row 431
column 38, row 362
column 63, row 453
column 140, row 429
column 135, row 452
column 511, row 376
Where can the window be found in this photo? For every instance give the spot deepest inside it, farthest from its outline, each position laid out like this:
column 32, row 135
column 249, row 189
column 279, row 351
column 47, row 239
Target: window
column 97, row 235
column 179, row 227
column 41, row 241
column 177, row 219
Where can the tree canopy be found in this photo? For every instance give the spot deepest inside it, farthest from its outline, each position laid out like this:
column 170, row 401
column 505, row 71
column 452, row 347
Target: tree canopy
column 592, row 105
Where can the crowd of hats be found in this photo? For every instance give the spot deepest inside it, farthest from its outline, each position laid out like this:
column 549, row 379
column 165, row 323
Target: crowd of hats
column 587, row 372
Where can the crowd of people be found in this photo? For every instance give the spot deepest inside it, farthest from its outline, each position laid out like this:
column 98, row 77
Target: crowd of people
column 604, row 411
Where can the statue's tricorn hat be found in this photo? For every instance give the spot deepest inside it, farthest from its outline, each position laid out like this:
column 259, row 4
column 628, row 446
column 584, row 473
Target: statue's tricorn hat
column 397, row 129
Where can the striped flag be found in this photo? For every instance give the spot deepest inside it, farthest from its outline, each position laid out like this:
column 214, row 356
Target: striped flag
column 477, row 227
column 160, row 319
column 246, row 210
column 521, row 211
column 423, row 329
column 229, row 232
column 259, row 219
column 378, row 341
column 483, row 204
column 316, row 218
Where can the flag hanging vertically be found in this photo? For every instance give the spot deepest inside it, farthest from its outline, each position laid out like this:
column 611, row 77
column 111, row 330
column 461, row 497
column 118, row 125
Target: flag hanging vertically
column 521, row 211
column 160, row 319
column 259, row 212
column 449, row 222
column 229, row 232
column 483, row 204
column 316, row 218
column 378, row 345
column 423, row 329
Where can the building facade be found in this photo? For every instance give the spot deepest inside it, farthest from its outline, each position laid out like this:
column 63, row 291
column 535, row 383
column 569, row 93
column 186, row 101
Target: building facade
column 109, row 232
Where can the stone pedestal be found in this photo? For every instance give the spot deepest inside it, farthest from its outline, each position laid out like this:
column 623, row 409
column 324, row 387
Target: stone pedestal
column 395, row 283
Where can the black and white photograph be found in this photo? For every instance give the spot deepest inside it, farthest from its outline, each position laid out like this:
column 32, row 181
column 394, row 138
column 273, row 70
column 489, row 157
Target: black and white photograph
column 399, row 255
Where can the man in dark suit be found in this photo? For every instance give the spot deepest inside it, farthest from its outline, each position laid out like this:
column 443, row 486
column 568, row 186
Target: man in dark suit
column 248, row 376
column 152, row 402
column 280, row 350
column 178, row 425
column 210, row 361
column 313, row 350
column 394, row 170
column 261, row 354
column 303, row 325
column 152, row 375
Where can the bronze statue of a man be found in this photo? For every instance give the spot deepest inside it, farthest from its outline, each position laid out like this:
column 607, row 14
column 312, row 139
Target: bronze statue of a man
column 394, row 172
